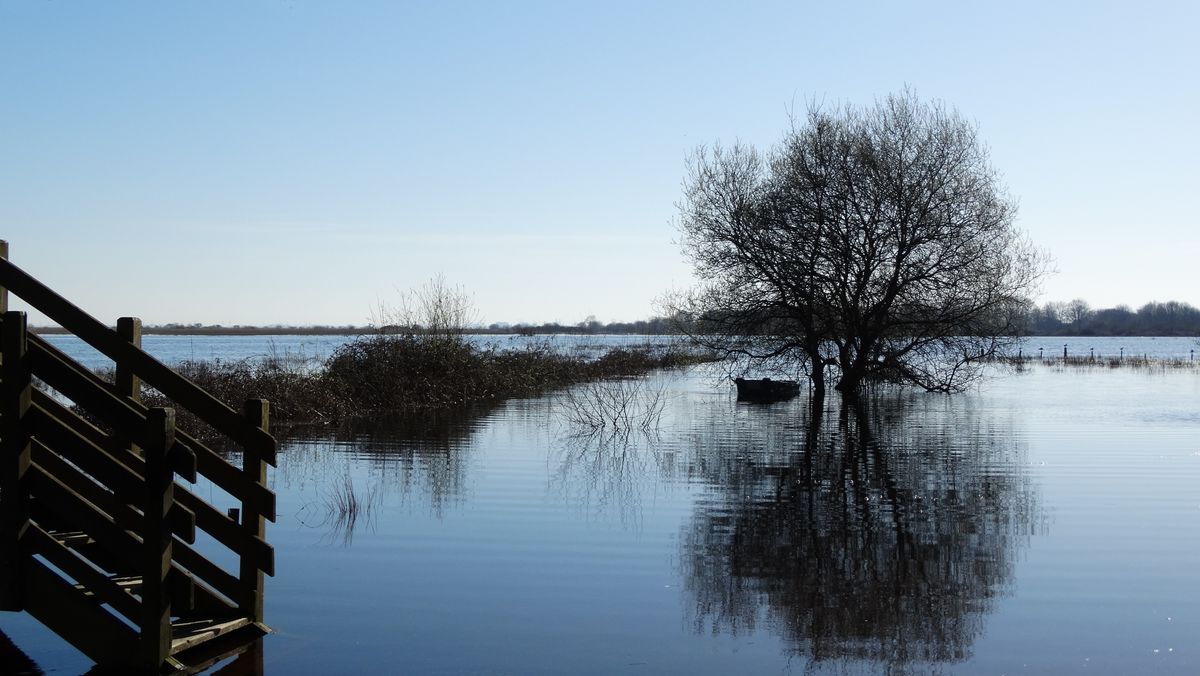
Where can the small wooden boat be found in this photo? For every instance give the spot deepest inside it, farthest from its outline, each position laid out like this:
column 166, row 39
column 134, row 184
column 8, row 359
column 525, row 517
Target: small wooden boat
column 766, row 390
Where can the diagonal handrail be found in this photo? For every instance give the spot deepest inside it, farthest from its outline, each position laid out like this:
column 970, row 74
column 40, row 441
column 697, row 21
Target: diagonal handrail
column 85, row 387
column 158, row 375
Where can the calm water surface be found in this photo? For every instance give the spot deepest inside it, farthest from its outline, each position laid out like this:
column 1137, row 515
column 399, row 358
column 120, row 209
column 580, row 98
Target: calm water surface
column 175, row 349
column 1047, row 523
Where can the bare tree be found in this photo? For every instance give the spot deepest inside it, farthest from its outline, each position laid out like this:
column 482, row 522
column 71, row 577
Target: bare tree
column 1077, row 310
column 873, row 243
column 436, row 309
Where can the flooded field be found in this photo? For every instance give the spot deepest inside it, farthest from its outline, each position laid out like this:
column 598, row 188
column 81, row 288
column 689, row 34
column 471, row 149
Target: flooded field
column 1047, row 522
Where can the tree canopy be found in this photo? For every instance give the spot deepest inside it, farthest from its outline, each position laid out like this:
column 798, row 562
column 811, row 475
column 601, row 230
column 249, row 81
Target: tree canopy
column 873, row 243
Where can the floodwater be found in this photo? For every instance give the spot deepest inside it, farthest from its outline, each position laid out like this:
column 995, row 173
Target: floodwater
column 176, row 349
column 1047, row 522
column 315, row 349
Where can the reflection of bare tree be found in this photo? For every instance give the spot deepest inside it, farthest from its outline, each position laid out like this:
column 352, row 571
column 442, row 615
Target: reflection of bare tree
column 611, row 453
column 883, row 538
column 609, row 472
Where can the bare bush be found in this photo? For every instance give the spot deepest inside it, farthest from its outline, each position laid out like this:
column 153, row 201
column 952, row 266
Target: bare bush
column 436, row 309
column 614, row 407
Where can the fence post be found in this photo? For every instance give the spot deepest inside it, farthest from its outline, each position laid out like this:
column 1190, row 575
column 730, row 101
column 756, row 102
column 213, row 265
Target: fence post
column 15, row 398
column 156, row 539
column 3, row 291
column 125, row 383
column 254, row 469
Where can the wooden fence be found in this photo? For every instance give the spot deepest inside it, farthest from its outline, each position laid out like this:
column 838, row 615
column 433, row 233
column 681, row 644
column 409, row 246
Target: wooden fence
column 97, row 521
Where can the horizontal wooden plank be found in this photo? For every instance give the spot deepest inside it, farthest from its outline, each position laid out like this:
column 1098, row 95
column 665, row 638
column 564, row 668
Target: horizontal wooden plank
column 97, row 496
column 115, row 507
column 155, row 373
column 79, row 385
column 227, row 531
column 191, row 634
column 206, row 571
column 78, row 425
column 89, row 457
column 97, row 463
column 55, row 499
column 52, row 497
column 231, row 480
column 72, row 539
column 218, row 470
column 206, row 602
column 241, row 649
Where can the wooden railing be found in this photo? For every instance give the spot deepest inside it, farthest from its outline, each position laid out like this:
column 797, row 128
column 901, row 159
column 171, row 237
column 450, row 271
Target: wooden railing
column 97, row 524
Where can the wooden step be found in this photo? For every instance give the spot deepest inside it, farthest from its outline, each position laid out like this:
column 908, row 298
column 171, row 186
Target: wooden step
column 192, row 633
column 130, row 583
column 72, row 539
column 244, row 645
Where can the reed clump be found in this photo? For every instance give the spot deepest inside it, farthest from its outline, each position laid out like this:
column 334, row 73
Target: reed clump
column 1129, row 362
column 344, row 508
column 1142, row 363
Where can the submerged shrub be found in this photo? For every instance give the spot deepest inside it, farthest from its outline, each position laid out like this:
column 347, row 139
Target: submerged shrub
column 613, row 408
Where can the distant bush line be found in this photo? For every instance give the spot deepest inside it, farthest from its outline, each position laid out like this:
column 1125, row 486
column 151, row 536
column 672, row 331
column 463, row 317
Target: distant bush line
column 657, row 326
column 379, row 375
column 1077, row 318
column 1073, row 318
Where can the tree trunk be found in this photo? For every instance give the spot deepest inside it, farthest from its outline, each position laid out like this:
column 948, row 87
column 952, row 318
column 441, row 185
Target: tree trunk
column 850, row 381
column 817, row 373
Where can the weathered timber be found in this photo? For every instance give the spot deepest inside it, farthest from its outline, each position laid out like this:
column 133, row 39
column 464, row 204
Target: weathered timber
column 99, row 501
column 157, row 543
column 126, row 384
column 254, row 468
column 124, row 476
column 84, row 384
column 16, row 385
column 158, row 375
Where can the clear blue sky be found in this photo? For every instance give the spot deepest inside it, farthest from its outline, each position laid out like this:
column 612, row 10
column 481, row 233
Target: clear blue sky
column 298, row 162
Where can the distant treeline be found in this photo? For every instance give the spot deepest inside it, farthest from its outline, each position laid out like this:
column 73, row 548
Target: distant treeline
column 236, row 330
column 1070, row 318
column 1077, row 318
column 656, row 326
